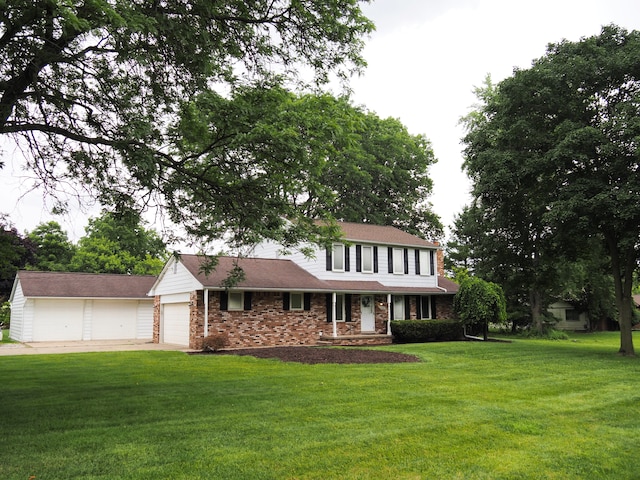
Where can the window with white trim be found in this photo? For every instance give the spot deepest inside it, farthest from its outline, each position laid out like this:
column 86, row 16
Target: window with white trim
column 427, row 262
column 398, row 261
column 337, row 255
column 296, row 301
column 236, row 301
column 367, row 259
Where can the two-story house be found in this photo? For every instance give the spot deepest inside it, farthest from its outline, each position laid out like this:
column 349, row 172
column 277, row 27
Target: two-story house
column 345, row 294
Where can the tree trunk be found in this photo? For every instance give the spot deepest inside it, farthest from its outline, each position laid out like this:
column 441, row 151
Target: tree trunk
column 535, row 300
column 623, row 280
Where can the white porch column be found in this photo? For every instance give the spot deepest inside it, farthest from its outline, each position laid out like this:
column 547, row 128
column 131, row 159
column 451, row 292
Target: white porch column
column 333, row 316
column 206, row 312
column 388, row 314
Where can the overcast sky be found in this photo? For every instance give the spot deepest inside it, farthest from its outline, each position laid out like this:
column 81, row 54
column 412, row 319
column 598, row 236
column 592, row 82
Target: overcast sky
column 424, row 60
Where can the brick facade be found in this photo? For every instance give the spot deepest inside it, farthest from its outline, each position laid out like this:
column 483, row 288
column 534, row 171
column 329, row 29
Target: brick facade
column 268, row 324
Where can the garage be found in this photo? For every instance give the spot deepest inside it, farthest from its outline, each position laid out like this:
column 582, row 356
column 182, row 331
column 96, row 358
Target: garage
column 114, row 320
column 175, row 323
column 57, row 319
column 70, row 306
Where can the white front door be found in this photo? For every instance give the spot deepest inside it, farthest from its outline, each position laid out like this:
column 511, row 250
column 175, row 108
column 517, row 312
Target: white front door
column 367, row 314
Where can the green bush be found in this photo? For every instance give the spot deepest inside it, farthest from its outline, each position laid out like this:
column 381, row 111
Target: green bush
column 419, row 331
column 5, row 315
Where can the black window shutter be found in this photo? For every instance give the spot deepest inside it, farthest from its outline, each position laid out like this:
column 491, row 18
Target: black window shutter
column 347, row 307
column 286, row 301
column 329, row 260
column 407, row 307
column 417, row 262
column 391, row 308
column 224, row 301
column 358, row 258
column 307, row 301
column 347, row 263
column 433, row 307
column 418, row 305
column 406, row 261
column 390, row 257
column 432, row 263
column 329, row 307
column 375, row 259
column 247, row 300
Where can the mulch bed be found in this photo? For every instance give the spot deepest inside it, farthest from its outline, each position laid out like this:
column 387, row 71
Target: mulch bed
column 315, row 355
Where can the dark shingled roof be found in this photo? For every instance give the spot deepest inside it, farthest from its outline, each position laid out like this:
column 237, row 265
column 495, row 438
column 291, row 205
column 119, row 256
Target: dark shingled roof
column 366, row 232
column 84, row 285
column 279, row 274
column 260, row 273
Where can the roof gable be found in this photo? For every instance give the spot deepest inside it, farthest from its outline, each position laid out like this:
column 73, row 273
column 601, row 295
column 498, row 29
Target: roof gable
column 83, row 285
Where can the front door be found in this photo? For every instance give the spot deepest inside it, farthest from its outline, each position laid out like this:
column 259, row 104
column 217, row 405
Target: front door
column 367, row 314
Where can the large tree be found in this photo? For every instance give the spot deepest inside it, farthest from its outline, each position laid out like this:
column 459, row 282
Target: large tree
column 92, row 89
column 260, row 141
column 53, row 249
column 16, row 252
column 119, row 242
column 572, row 120
column 511, row 243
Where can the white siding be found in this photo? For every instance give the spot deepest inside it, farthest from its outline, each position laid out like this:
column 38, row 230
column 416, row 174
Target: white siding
column 317, row 267
column 28, row 313
column 144, row 328
column 176, row 279
column 87, row 320
column 16, row 331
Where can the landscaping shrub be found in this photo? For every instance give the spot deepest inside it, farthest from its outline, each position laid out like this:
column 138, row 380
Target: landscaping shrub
column 215, row 342
column 419, row 331
column 5, row 314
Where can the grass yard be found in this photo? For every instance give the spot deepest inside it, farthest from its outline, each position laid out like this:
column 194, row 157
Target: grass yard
column 522, row 410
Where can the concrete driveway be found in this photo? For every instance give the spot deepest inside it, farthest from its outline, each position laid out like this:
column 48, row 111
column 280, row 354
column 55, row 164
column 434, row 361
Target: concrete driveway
column 35, row 348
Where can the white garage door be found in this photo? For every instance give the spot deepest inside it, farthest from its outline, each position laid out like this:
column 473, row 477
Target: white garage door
column 114, row 320
column 55, row 320
column 176, row 323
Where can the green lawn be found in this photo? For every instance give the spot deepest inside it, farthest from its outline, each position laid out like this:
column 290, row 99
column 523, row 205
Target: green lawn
column 522, row 410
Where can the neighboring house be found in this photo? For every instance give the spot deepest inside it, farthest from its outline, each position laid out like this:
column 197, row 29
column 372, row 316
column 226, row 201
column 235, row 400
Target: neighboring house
column 347, row 294
column 62, row 306
column 568, row 317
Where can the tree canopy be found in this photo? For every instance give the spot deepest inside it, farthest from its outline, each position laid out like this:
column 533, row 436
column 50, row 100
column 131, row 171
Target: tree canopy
column 553, row 156
column 118, row 242
column 53, row 249
column 97, row 92
column 16, row 252
column 302, row 157
column 479, row 302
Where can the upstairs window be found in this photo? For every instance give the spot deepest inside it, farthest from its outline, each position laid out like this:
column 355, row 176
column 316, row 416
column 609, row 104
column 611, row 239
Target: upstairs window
column 427, row 262
column 398, row 260
column 338, row 258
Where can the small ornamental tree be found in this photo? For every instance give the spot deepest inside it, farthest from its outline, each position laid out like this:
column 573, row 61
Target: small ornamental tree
column 479, row 302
